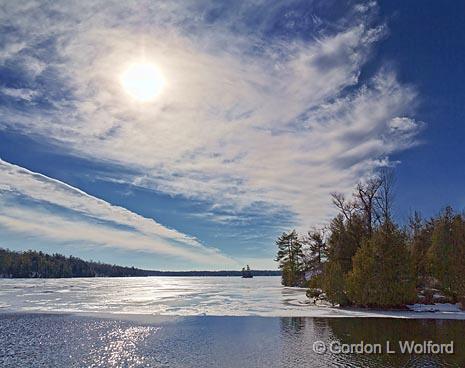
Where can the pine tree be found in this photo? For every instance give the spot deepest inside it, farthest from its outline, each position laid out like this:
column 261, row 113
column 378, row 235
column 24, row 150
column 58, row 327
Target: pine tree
column 315, row 252
column 290, row 258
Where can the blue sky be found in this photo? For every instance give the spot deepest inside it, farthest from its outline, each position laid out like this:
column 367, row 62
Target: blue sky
column 266, row 108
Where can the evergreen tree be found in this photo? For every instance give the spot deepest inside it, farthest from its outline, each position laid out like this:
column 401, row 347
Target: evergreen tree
column 37, row 264
column 315, row 250
column 420, row 242
column 382, row 274
column 345, row 238
column 290, row 257
column 447, row 252
column 333, row 283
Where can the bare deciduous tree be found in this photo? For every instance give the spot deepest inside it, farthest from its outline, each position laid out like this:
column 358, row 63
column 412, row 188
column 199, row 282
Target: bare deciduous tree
column 385, row 197
column 365, row 199
column 346, row 207
column 372, row 200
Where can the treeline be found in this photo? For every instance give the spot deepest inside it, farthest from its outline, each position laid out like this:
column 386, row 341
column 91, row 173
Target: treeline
column 40, row 265
column 364, row 258
column 37, row 264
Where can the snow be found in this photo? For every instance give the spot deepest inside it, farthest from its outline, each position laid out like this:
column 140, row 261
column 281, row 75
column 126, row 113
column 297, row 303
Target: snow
column 187, row 296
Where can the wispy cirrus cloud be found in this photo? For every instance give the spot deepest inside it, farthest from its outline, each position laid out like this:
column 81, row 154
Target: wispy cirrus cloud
column 36, row 204
column 19, row 93
column 263, row 106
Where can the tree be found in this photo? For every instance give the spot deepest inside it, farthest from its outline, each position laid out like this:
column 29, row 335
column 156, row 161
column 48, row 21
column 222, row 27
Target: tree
column 315, row 250
column 385, row 195
column 420, row 243
column 365, row 200
column 370, row 207
column 382, row 274
column 447, row 252
column 345, row 207
column 37, row 264
column 290, row 258
column 333, row 284
column 345, row 238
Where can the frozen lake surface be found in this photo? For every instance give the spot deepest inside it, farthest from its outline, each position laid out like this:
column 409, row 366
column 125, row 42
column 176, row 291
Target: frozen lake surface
column 178, row 296
column 153, row 295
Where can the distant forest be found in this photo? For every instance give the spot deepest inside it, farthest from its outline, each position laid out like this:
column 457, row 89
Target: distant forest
column 32, row 264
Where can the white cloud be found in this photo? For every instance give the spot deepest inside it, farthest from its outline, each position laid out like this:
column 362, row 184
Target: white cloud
column 10, row 50
column 19, row 93
column 91, row 220
column 245, row 118
column 403, row 124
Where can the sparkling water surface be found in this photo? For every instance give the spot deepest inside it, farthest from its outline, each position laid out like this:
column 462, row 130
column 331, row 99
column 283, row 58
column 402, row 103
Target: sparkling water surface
column 43, row 340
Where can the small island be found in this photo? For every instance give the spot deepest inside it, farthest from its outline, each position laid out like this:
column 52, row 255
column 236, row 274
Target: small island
column 246, row 272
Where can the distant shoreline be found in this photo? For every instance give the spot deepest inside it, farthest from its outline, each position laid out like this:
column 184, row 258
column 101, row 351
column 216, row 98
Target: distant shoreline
column 39, row 265
column 259, row 273
column 150, row 273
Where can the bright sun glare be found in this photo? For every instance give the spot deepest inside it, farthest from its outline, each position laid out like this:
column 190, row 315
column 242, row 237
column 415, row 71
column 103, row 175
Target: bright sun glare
column 142, row 81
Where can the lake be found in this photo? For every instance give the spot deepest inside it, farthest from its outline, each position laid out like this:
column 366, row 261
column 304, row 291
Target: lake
column 154, row 295
column 177, row 296
column 203, row 322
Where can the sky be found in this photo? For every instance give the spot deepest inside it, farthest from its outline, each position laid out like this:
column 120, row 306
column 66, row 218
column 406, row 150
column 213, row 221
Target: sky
column 264, row 109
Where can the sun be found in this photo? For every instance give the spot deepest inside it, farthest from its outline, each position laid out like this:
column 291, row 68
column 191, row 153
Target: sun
column 142, row 81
